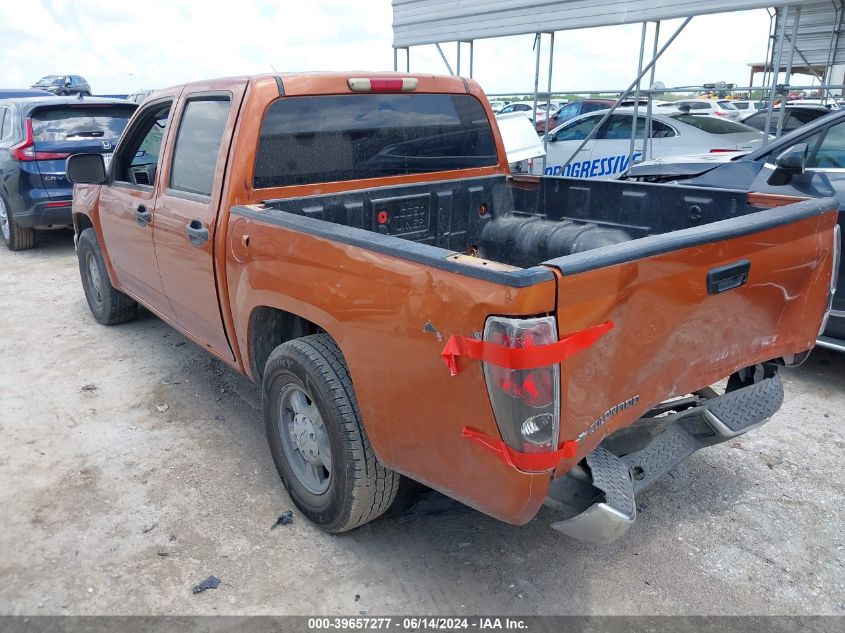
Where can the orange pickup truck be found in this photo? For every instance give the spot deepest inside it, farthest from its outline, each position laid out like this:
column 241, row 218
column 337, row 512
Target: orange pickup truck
column 356, row 244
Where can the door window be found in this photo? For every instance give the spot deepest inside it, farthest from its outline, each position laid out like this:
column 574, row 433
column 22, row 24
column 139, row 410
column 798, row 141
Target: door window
column 197, row 145
column 830, row 152
column 577, row 130
column 138, row 159
column 618, row 127
column 568, row 112
column 5, row 123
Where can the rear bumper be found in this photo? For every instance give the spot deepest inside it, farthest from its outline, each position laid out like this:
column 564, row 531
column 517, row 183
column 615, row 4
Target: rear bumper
column 833, row 336
column 40, row 214
column 598, row 498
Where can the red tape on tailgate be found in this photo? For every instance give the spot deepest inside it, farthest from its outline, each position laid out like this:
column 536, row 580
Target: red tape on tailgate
column 523, row 461
column 523, row 357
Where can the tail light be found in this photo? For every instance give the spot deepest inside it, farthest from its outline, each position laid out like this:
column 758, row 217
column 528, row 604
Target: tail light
column 722, row 150
column 834, row 276
column 25, row 150
column 526, row 402
column 720, row 113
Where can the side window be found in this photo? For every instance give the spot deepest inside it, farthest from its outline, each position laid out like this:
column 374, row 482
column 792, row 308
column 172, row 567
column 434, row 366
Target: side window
column 506, row 110
column 568, row 111
column 618, row 128
column 792, row 123
column 757, row 121
column 661, row 130
column 198, row 144
column 5, row 124
column 138, row 159
column 577, row 130
column 827, row 151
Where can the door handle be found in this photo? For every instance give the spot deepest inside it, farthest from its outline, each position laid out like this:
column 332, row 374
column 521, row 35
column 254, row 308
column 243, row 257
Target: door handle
column 728, row 277
column 196, row 232
column 143, row 216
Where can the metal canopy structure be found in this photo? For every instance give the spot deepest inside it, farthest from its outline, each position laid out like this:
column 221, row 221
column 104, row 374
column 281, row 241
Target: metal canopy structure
column 417, row 22
column 804, row 35
column 819, row 23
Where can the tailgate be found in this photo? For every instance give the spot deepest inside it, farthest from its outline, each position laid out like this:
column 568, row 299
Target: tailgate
column 675, row 333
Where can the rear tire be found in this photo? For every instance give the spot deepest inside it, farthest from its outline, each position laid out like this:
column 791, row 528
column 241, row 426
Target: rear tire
column 108, row 305
column 16, row 237
column 308, row 394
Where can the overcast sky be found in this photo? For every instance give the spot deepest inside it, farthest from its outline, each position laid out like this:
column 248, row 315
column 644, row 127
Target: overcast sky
column 125, row 46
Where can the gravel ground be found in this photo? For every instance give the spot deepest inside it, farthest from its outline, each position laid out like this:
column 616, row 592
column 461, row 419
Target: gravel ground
column 133, row 466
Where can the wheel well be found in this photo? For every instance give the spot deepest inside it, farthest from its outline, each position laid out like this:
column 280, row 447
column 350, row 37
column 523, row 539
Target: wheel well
column 82, row 222
column 269, row 328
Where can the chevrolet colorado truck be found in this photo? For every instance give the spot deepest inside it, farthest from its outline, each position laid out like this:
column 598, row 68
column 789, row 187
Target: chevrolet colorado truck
column 356, row 245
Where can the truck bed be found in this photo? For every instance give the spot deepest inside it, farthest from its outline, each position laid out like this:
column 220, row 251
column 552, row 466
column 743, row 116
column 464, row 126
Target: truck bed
column 698, row 284
column 521, row 223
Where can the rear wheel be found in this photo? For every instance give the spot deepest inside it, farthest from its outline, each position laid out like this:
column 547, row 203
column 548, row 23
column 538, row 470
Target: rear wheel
column 317, row 439
column 108, row 305
column 16, row 237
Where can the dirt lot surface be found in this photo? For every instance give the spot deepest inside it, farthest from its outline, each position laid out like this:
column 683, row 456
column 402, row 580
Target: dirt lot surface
column 133, row 466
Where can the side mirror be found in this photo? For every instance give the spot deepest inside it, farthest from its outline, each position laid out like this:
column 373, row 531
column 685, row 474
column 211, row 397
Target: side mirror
column 86, row 169
column 793, row 160
column 549, row 138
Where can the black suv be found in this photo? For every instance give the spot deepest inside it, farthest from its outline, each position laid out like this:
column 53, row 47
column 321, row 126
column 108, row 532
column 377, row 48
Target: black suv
column 63, row 85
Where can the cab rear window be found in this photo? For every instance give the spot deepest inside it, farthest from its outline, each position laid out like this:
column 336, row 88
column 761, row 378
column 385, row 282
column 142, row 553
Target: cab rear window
column 712, row 125
column 80, row 123
column 305, row 140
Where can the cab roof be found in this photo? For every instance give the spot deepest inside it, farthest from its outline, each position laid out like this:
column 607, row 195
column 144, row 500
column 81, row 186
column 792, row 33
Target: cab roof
column 319, row 82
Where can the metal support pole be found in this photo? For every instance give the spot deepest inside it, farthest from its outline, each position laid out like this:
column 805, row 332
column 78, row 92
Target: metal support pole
column 637, row 95
column 548, row 96
column 647, row 149
column 627, row 91
column 459, row 56
column 407, row 59
column 395, row 59
column 816, row 75
column 833, row 45
column 445, row 61
column 783, row 15
column 769, row 42
column 470, row 57
column 538, row 42
column 787, row 76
